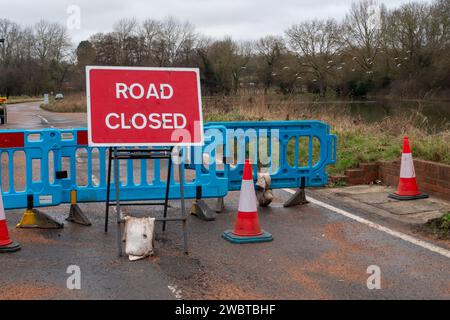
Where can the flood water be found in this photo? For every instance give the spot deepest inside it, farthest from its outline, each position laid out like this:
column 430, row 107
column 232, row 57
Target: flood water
column 432, row 115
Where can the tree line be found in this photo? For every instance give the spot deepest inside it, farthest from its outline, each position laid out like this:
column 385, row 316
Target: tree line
column 372, row 51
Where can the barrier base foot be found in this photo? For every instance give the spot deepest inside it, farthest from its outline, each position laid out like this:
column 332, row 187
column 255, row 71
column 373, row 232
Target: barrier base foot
column 231, row 237
column 298, row 198
column 220, row 205
column 33, row 218
column 76, row 215
column 12, row 247
column 202, row 211
column 399, row 197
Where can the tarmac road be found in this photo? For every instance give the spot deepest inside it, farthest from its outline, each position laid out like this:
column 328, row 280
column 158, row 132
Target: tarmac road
column 318, row 252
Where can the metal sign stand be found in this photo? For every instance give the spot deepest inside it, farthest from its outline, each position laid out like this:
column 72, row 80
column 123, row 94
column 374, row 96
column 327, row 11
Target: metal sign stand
column 117, row 154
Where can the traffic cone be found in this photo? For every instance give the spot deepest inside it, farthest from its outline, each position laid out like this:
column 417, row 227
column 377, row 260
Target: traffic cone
column 407, row 185
column 247, row 228
column 6, row 244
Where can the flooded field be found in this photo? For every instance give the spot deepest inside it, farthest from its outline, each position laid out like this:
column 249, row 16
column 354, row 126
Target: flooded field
column 431, row 115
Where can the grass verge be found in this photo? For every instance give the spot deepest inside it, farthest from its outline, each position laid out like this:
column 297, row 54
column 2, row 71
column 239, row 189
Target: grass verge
column 23, row 99
column 71, row 103
column 439, row 228
column 358, row 141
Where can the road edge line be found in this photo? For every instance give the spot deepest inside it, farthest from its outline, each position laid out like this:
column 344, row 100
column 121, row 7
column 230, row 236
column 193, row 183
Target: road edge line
column 423, row 244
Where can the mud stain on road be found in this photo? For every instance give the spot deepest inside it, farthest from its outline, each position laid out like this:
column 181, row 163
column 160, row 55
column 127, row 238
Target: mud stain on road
column 335, row 232
column 26, row 291
column 231, row 291
column 32, row 236
column 446, row 289
column 337, row 265
column 310, row 285
column 334, row 266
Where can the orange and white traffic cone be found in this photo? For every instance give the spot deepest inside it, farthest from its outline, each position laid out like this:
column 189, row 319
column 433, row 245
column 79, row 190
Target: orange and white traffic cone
column 407, row 185
column 247, row 228
column 6, row 244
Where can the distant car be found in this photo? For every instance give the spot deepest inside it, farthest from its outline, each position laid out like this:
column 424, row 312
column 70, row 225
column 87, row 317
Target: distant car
column 3, row 110
column 59, row 96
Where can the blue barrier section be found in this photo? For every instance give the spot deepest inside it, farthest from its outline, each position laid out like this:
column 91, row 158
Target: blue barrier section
column 50, row 163
column 287, row 150
column 36, row 150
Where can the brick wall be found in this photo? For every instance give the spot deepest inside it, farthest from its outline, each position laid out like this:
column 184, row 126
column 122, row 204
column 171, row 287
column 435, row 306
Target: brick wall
column 365, row 174
column 432, row 177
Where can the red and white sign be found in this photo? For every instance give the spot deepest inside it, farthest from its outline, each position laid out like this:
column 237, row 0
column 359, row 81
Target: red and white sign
column 134, row 106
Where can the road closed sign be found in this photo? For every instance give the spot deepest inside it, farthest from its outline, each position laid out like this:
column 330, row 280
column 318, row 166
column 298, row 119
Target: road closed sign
column 134, row 106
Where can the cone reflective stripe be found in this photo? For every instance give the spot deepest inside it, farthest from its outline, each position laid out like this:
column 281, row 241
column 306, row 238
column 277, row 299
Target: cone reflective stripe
column 247, row 203
column 247, row 228
column 6, row 244
column 407, row 185
column 4, row 235
column 247, row 223
column 407, row 167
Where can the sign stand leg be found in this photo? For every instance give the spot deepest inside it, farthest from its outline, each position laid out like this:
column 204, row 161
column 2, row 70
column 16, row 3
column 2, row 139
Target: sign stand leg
column 117, row 187
column 108, row 189
column 183, row 206
column 166, row 201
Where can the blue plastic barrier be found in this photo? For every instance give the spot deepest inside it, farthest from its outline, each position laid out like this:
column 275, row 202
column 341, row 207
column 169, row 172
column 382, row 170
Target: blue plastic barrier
column 59, row 161
column 285, row 149
column 36, row 147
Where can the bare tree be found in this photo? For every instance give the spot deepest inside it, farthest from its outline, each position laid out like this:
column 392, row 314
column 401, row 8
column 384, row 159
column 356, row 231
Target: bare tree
column 407, row 36
column 175, row 42
column 11, row 33
column 363, row 30
column 106, row 48
column 51, row 41
column 270, row 49
column 223, row 63
column 439, row 26
column 149, row 32
column 125, row 34
column 243, row 52
column 317, row 43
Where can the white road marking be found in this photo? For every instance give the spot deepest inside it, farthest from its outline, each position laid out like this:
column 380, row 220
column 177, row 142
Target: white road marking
column 397, row 234
column 44, row 119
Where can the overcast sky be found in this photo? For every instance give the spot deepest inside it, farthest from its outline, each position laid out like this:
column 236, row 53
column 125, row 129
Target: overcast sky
column 241, row 19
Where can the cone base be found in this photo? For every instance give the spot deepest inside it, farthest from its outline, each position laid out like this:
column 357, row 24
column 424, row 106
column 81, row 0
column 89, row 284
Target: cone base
column 231, row 237
column 415, row 197
column 12, row 247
